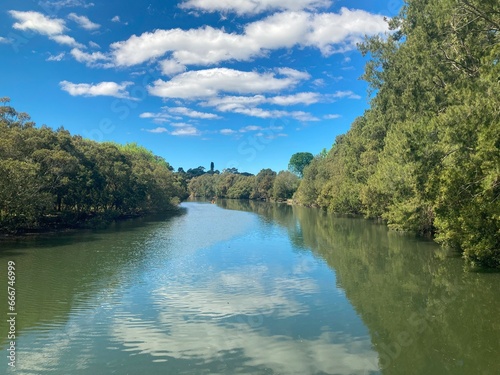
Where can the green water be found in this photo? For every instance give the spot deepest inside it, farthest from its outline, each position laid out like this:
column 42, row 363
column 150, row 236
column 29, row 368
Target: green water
column 247, row 288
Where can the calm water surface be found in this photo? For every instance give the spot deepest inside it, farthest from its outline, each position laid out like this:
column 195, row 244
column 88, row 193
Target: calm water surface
column 247, row 288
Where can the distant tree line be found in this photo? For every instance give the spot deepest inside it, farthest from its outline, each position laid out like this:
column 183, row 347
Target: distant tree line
column 49, row 178
column 426, row 155
column 266, row 185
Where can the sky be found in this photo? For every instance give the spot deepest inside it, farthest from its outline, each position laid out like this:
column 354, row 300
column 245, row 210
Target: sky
column 241, row 83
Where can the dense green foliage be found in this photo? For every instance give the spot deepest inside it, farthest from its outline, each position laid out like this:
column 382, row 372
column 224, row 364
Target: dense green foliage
column 426, row 156
column 299, row 161
column 266, row 185
column 50, row 178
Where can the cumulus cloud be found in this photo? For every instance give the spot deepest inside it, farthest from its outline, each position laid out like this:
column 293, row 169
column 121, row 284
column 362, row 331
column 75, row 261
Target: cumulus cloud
column 248, row 105
column 117, row 90
column 331, row 117
column 37, row 22
column 58, row 57
column 329, row 32
column 171, row 67
column 250, row 128
column 186, row 131
column 157, row 130
column 158, row 118
column 184, row 111
column 115, row 19
column 249, row 7
column 299, row 98
column 5, row 40
column 211, row 82
column 66, row 40
column 228, row 103
column 41, row 24
column 227, row 131
column 49, row 5
column 83, row 21
column 94, row 59
column 345, row 94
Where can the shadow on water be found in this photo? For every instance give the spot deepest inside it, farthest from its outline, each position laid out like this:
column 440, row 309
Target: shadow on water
column 426, row 313
column 10, row 245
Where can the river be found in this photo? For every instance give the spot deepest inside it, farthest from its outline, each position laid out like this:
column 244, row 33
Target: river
column 243, row 287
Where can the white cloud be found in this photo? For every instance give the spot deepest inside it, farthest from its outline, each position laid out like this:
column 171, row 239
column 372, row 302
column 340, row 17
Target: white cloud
column 345, row 94
column 227, row 131
column 5, row 40
column 94, row 59
column 329, row 32
column 83, row 21
column 186, row 131
column 171, row 67
column 331, row 117
column 94, row 44
column 205, row 46
column 248, row 105
column 228, row 103
column 183, row 111
column 299, row 98
column 159, row 118
column 39, row 23
column 250, row 128
column 319, row 82
column 210, row 82
column 47, row 5
column 280, row 30
column 180, row 124
column 252, row 6
column 332, row 32
column 101, row 89
column 303, row 116
column 66, row 40
column 115, row 19
column 158, row 130
column 58, row 57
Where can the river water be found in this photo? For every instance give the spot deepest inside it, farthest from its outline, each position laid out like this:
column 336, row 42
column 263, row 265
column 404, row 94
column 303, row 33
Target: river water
column 246, row 288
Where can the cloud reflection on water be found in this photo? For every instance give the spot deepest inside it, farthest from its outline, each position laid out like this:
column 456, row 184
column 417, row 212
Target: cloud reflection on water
column 233, row 314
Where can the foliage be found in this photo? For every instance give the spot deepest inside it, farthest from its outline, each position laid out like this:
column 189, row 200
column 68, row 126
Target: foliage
column 425, row 157
column 266, row 185
column 48, row 177
column 285, row 185
column 299, row 161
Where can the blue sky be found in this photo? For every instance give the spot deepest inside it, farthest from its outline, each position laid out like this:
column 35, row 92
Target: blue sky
column 242, row 83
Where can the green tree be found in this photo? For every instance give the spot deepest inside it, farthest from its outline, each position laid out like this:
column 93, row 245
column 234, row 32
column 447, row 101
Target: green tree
column 285, row 185
column 264, row 181
column 299, row 161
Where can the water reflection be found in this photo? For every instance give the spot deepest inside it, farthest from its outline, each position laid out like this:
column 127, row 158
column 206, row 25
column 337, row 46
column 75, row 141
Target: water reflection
column 426, row 315
column 246, row 316
column 273, row 290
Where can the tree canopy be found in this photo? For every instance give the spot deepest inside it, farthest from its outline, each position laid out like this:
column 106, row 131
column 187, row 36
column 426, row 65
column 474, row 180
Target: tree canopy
column 425, row 156
column 299, row 161
column 49, row 177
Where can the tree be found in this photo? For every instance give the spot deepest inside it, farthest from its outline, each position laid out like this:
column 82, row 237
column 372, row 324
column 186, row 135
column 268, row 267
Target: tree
column 264, row 181
column 425, row 156
column 285, row 185
column 212, row 167
column 299, row 161
column 48, row 177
